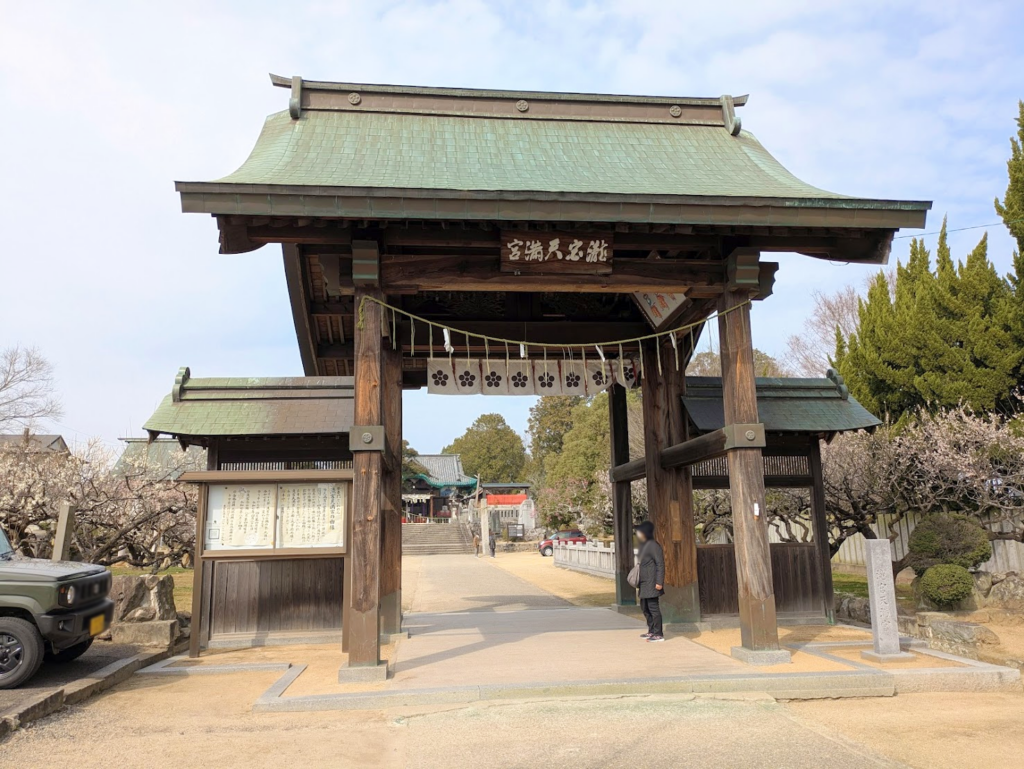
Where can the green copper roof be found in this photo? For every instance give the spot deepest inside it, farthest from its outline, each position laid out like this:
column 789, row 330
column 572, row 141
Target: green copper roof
column 384, row 151
column 442, row 470
column 350, row 149
column 784, row 405
column 238, row 407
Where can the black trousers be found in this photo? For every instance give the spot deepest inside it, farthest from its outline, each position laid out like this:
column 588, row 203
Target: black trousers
column 651, row 608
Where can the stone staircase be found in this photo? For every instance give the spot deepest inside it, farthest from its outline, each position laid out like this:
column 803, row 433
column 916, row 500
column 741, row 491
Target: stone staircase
column 436, row 539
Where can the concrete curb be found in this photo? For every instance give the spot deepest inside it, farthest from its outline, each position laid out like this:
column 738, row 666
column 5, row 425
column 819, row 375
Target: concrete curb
column 48, row 703
column 164, row 667
column 853, row 683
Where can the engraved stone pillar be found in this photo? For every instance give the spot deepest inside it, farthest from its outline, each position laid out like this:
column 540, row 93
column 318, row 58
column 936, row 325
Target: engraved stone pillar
column 882, row 596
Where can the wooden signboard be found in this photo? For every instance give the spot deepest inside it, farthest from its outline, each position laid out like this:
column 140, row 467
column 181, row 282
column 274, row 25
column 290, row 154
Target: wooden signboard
column 556, row 253
column 659, row 308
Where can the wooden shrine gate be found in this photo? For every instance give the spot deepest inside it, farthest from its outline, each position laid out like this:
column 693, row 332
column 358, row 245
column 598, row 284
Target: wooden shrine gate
column 474, row 239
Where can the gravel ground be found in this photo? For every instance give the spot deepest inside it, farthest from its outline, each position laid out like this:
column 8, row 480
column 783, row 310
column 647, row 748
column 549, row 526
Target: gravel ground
column 55, row 675
column 204, row 721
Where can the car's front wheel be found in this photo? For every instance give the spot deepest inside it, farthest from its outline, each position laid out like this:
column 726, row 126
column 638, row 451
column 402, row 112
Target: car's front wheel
column 547, row 551
column 21, row 651
column 71, row 653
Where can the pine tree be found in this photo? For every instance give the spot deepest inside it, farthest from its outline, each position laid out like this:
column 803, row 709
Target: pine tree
column 941, row 338
column 1011, row 208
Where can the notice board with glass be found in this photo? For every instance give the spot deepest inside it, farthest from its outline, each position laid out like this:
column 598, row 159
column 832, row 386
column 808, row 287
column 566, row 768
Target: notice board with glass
column 276, row 517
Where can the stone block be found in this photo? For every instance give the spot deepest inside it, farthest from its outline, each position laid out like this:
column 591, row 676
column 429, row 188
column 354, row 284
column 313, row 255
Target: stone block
column 157, row 633
column 983, row 583
column 761, row 657
column 896, row 657
column 143, row 598
column 963, row 633
column 363, row 674
column 854, row 608
column 1008, row 594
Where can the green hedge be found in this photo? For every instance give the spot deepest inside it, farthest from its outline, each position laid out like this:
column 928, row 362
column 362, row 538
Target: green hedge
column 947, row 584
column 947, row 538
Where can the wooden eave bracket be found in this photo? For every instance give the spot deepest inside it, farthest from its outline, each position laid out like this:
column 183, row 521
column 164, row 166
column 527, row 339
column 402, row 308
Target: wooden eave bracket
column 365, row 263
column 234, row 238
column 742, row 269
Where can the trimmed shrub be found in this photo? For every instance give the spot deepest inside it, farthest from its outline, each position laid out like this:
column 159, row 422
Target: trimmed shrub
column 947, row 584
column 948, row 538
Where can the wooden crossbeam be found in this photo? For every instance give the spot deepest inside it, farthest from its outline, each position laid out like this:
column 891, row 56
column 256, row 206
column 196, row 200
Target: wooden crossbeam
column 629, row 471
column 695, row 450
column 707, row 446
column 411, row 274
column 559, row 332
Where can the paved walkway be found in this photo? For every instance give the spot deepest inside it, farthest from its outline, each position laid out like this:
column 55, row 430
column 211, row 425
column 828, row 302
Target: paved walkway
column 457, row 583
column 470, row 622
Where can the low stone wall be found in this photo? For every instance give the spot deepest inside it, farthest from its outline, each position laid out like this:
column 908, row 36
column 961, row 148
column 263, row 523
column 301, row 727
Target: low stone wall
column 943, row 631
column 954, row 636
column 594, row 558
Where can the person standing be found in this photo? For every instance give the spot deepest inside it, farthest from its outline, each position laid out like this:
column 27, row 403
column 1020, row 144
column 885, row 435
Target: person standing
column 492, row 543
column 476, row 544
column 652, row 580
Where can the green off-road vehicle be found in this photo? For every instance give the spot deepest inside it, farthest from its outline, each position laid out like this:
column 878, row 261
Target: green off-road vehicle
column 48, row 609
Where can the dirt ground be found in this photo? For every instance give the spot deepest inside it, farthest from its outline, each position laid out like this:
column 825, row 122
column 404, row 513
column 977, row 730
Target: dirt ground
column 929, row 730
column 207, row 721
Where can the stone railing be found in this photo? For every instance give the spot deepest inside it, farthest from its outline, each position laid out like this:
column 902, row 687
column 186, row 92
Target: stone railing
column 592, row 557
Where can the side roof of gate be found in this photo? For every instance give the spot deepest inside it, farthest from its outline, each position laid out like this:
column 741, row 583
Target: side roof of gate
column 223, row 407
column 784, row 405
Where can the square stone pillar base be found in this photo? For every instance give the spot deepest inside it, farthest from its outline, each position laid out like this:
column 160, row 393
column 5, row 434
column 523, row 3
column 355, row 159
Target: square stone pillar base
column 766, row 657
column 363, row 674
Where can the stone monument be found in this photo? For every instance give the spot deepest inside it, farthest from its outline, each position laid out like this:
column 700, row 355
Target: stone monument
column 882, row 596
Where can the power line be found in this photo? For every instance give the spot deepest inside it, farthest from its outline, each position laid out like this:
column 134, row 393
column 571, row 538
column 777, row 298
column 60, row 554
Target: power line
column 960, row 229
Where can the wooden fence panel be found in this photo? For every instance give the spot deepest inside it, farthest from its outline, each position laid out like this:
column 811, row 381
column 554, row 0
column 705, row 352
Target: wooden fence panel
column 279, row 595
column 795, row 576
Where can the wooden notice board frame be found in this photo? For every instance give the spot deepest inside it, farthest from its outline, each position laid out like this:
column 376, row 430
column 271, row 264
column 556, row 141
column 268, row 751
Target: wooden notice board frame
column 201, row 618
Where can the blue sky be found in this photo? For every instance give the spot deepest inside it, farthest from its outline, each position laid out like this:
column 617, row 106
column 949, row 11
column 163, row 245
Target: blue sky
column 105, row 104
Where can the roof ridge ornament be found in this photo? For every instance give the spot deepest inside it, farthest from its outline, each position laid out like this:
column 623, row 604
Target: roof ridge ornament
column 733, row 124
column 295, row 101
column 179, row 383
column 839, row 382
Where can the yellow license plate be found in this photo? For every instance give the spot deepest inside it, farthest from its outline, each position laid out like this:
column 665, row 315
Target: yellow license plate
column 97, row 624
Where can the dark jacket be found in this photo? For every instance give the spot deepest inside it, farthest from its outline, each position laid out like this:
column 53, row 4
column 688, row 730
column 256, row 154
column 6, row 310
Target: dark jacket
column 652, row 569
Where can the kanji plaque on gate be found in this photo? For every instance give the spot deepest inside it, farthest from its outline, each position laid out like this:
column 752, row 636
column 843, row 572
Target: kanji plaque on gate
column 556, row 252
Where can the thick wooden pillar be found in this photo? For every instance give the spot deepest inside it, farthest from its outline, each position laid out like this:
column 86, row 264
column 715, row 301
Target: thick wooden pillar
column 820, row 521
column 622, row 502
column 758, row 626
column 669, row 493
column 364, row 554
column 391, row 550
